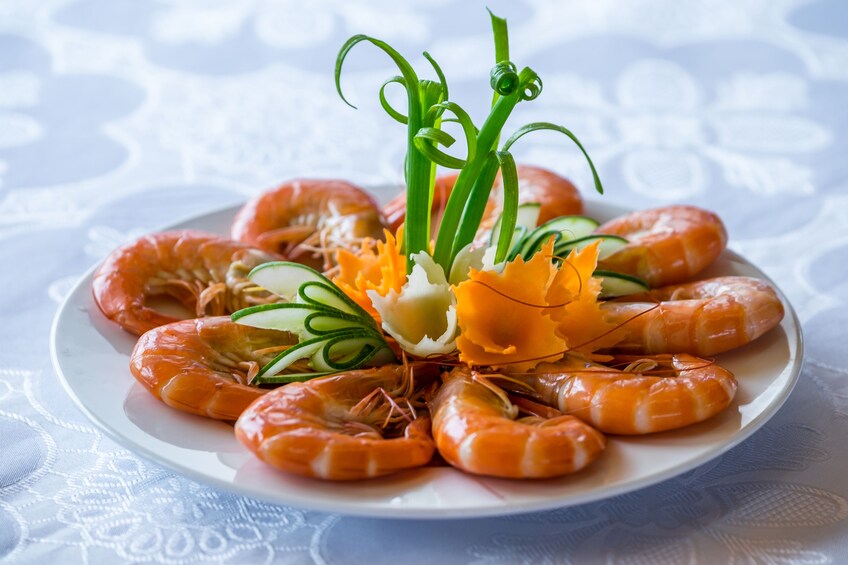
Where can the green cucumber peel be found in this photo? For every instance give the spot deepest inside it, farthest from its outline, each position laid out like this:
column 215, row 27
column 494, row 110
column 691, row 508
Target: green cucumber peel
column 289, row 378
column 319, row 351
column 305, row 320
column 614, row 284
column 609, row 245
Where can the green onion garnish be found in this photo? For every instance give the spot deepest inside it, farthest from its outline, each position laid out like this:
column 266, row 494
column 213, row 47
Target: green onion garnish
column 427, row 105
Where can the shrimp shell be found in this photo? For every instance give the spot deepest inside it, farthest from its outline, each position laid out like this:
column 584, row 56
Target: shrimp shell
column 207, row 273
column 202, row 366
column 629, row 402
column 476, row 430
column 666, row 245
column 304, row 220
column 702, row 318
column 319, row 428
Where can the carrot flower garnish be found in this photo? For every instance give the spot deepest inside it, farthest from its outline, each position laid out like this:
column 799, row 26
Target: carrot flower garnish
column 380, row 268
column 581, row 320
column 504, row 317
column 531, row 312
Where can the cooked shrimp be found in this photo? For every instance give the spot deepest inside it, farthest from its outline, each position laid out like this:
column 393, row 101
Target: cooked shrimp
column 205, row 272
column 304, row 220
column 555, row 194
column 477, row 429
column 685, row 391
column 666, row 245
column 702, row 318
column 354, row 425
column 203, row 366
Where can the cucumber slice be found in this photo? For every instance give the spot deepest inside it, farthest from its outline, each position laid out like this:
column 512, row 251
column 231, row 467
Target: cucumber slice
column 304, row 320
column 323, row 323
column 303, row 350
column 518, row 239
column 336, row 333
column 536, row 239
column 284, row 316
column 528, row 216
column 609, row 245
column 285, row 279
column 343, row 353
column 380, row 357
column 564, row 228
column 571, row 227
column 329, row 295
column 288, row 378
column 618, row 284
column 336, row 351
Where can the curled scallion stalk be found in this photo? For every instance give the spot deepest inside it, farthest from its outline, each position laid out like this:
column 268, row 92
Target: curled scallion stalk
column 428, row 102
column 419, row 169
column 504, row 78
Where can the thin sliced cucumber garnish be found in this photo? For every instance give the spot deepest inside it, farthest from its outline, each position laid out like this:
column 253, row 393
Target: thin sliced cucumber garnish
column 568, row 232
column 609, row 245
column 335, row 333
column 527, row 216
column 290, row 280
column 535, row 240
column 571, row 227
column 618, row 284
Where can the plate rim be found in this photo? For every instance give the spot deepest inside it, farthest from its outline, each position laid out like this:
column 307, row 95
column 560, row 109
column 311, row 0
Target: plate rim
column 352, row 508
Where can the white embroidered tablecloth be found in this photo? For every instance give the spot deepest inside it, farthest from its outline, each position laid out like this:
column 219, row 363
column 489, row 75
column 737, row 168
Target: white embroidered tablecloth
column 120, row 116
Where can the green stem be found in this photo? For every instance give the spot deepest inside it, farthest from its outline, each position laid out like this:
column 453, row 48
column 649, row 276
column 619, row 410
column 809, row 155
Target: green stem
column 445, row 249
column 419, row 171
column 509, row 215
column 420, row 176
column 475, row 207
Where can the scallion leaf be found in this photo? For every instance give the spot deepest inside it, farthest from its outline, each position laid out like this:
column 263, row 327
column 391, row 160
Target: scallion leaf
column 538, row 126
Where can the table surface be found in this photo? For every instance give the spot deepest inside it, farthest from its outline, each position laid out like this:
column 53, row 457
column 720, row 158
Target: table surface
column 120, row 116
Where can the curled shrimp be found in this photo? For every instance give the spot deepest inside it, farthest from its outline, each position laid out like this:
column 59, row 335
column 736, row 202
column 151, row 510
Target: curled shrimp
column 667, row 245
column 355, row 425
column 477, row 429
column 203, row 366
column 304, row 220
column 701, row 318
column 207, row 273
column 555, row 195
column 685, row 390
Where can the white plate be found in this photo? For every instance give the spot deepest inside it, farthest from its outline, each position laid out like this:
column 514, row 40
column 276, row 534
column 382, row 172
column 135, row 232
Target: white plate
column 91, row 355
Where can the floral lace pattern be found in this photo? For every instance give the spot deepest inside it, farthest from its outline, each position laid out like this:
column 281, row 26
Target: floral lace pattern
column 117, row 117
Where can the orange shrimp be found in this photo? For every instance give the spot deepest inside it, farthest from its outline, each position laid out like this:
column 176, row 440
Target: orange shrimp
column 203, row 366
column 632, row 401
column 356, row 425
column 207, row 273
column 555, row 194
column 477, row 429
column 701, row 318
column 304, row 220
column 666, row 245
